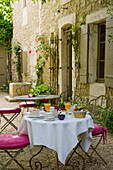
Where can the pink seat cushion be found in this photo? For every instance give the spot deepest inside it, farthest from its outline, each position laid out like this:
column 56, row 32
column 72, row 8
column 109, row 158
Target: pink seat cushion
column 13, row 141
column 10, row 110
column 27, row 104
column 97, row 130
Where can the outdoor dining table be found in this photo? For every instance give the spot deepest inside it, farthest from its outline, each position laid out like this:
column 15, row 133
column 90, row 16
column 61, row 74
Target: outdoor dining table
column 39, row 97
column 59, row 135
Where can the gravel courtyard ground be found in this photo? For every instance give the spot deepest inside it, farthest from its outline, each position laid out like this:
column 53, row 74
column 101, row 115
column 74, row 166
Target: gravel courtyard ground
column 48, row 157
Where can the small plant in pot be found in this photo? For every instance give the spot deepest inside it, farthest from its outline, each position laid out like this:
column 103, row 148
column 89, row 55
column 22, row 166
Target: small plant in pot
column 41, row 89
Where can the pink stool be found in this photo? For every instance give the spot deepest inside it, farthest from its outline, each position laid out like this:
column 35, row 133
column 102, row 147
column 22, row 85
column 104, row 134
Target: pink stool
column 14, row 112
column 15, row 142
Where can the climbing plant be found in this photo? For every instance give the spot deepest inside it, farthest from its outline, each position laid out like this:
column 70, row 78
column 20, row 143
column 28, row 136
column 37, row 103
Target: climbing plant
column 17, row 61
column 6, row 23
column 76, row 32
column 43, row 50
column 43, row 1
column 75, row 37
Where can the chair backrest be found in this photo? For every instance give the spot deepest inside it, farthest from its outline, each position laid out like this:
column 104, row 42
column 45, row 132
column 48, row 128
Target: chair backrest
column 24, row 90
column 100, row 109
column 66, row 94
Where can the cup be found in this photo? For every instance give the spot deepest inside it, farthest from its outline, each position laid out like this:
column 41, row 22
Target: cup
column 52, row 109
column 47, row 106
column 61, row 116
column 67, row 105
column 30, row 95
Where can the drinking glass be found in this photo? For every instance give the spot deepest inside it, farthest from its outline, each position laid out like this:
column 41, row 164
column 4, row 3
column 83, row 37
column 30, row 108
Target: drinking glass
column 47, row 106
column 67, row 105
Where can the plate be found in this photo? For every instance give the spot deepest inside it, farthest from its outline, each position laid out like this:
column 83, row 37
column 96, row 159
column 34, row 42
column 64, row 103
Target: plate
column 49, row 119
column 35, row 116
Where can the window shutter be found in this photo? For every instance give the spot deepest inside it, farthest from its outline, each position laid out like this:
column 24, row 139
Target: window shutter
column 24, row 62
column 83, row 53
column 109, row 53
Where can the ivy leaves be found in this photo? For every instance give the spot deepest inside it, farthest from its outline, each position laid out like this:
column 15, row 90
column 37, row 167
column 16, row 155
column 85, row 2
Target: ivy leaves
column 17, row 50
column 43, row 1
column 6, row 25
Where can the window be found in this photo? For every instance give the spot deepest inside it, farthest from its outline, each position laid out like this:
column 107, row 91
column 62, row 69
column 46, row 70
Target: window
column 24, row 3
column 101, row 52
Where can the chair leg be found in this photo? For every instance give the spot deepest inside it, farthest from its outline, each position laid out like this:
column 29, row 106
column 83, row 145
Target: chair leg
column 94, row 150
column 9, row 121
column 12, row 158
column 57, row 161
column 73, row 152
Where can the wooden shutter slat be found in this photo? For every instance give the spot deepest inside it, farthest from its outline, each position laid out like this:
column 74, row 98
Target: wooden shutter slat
column 83, row 54
column 109, row 53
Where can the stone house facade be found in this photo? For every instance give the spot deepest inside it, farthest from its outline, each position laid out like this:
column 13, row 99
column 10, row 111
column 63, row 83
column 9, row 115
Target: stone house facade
column 4, row 65
column 89, row 73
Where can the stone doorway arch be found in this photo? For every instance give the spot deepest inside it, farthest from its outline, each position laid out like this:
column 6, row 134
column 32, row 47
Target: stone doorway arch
column 66, row 58
column 66, row 55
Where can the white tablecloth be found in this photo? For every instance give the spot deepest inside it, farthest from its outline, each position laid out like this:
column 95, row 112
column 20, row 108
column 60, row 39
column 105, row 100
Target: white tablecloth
column 59, row 135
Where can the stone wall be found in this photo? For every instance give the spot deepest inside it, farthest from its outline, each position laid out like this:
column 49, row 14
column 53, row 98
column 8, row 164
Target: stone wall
column 37, row 19
column 26, row 27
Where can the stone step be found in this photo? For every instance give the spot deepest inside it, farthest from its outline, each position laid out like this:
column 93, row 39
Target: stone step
column 10, row 99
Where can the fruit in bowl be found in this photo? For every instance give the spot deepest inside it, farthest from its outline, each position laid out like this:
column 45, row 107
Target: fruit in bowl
column 79, row 114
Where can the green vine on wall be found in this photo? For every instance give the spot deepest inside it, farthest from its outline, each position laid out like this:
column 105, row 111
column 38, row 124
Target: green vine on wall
column 76, row 32
column 43, row 50
column 17, row 61
column 75, row 36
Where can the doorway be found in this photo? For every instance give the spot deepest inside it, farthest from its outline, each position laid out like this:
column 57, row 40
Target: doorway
column 66, row 58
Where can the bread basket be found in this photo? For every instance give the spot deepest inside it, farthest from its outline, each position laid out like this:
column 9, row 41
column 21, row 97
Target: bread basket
column 79, row 114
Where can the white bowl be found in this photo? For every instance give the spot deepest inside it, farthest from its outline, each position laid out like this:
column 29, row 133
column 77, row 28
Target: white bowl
column 34, row 112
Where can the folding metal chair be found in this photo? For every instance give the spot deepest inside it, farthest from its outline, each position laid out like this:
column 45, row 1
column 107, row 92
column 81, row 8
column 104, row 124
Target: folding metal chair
column 25, row 90
column 9, row 114
column 12, row 143
column 66, row 94
column 99, row 109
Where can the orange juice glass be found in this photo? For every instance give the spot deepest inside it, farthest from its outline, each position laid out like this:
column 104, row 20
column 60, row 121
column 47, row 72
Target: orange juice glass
column 67, row 106
column 47, row 106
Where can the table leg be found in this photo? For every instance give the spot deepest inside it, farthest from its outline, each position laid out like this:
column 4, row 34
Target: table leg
column 37, row 161
column 57, row 161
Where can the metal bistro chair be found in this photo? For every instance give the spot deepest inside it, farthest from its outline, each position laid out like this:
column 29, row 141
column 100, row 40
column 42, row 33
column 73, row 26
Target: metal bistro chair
column 9, row 114
column 66, row 94
column 99, row 109
column 25, row 90
column 12, row 145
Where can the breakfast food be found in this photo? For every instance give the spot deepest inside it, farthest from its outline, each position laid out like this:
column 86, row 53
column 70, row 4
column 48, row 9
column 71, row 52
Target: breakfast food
column 81, row 108
column 79, row 112
column 35, row 110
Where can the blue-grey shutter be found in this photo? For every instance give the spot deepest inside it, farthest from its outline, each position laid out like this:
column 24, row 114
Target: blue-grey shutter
column 83, row 53
column 109, row 53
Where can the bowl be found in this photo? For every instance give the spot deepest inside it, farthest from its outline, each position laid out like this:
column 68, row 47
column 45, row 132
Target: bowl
column 61, row 116
column 34, row 111
column 79, row 114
